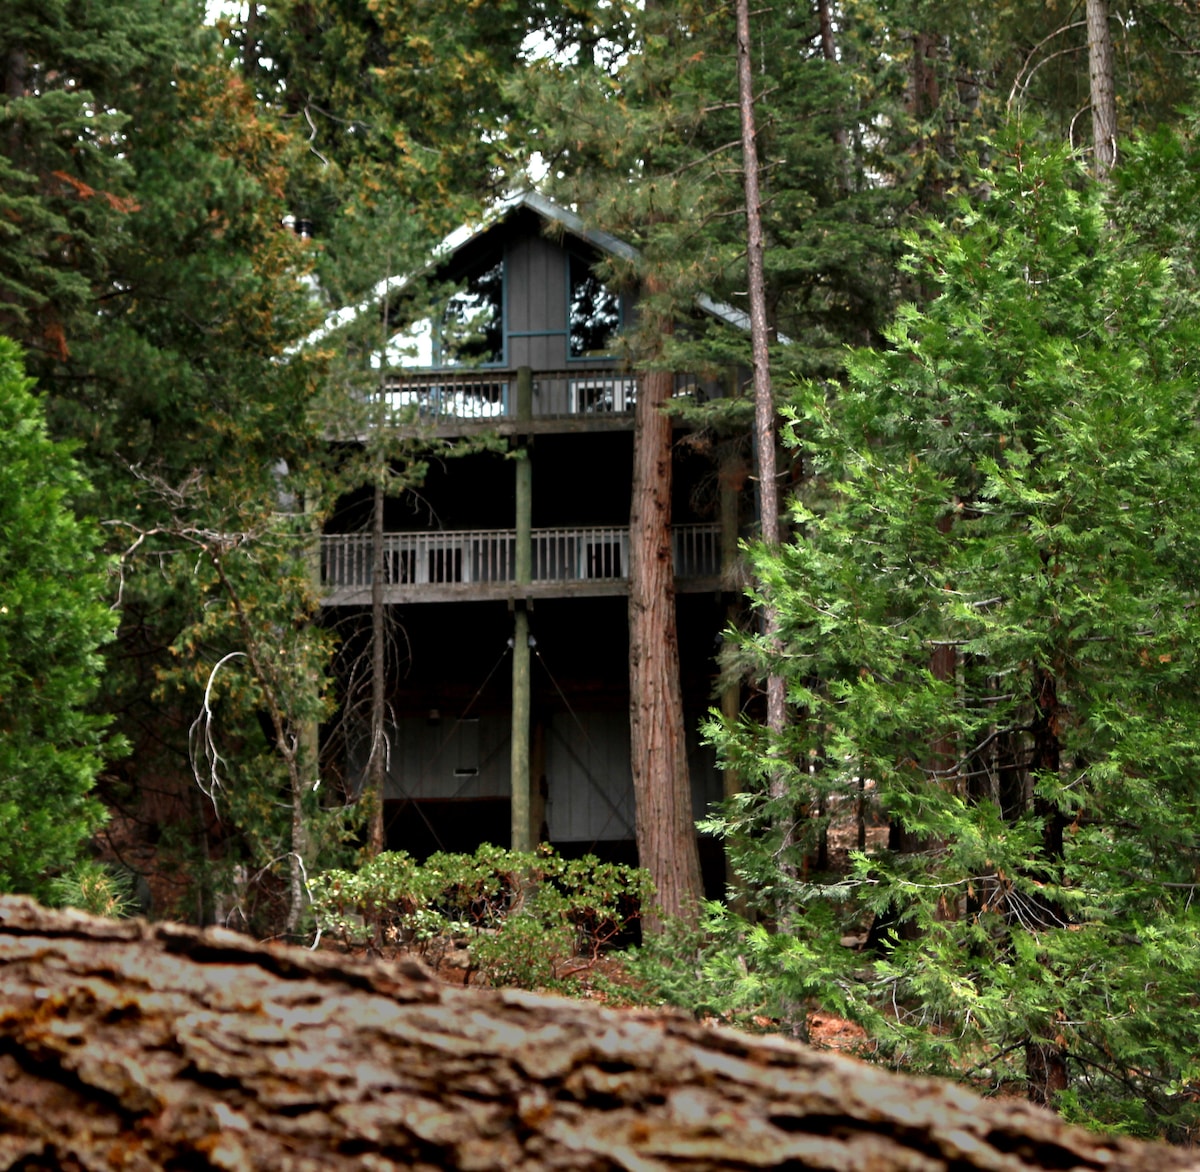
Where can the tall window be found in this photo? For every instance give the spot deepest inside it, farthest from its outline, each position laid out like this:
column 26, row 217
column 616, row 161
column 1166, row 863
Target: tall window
column 473, row 324
column 595, row 312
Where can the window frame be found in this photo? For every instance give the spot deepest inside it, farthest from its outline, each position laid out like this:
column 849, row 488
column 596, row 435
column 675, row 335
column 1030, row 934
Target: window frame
column 574, row 256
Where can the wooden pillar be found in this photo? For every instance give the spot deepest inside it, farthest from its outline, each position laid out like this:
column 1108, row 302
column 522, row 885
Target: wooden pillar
column 522, row 836
column 522, row 831
column 377, row 761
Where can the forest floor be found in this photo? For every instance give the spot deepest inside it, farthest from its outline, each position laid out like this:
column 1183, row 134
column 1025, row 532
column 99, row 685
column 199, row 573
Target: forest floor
column 607, row 979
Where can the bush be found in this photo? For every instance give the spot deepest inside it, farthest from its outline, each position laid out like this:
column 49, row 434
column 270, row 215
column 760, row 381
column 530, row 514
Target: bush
column 525, row 919
column 96, row 889
column 53, row 620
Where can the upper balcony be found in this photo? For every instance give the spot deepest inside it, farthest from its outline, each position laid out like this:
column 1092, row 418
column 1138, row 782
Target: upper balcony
column 457, row 401
column 475, row 565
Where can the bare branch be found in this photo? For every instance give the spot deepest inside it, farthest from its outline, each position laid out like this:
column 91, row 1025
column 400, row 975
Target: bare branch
column 202, row 741
column 1017, row 82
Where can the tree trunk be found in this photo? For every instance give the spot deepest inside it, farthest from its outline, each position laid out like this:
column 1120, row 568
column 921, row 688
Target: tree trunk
column 141, row 1046
column 1103, row 89
column 829, row 51
column 377, row 760
column 666, row 834
column 764, row 403
column 924, row 91
column 253, row 42
column 764, row 441
column 1046, row 1062
column 931, row 144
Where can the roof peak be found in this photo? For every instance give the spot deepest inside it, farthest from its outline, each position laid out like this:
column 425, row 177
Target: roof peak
column 495, row 213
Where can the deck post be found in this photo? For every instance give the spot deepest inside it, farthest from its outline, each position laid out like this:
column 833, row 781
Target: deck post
column 522, row 829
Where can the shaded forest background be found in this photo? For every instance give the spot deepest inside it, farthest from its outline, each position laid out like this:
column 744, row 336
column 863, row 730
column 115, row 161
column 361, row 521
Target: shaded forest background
column 980, row 285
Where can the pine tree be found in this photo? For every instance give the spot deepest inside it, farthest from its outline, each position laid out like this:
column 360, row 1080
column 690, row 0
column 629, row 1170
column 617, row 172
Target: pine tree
column 400, row 115
column 64, row 186
column 1013, row 479
column 637, row 113
column 621, row 132
column 163, row 315
column 203, row 424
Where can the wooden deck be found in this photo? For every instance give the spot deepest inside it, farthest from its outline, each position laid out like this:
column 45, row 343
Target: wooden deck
column 480, row 564
column 454, row 402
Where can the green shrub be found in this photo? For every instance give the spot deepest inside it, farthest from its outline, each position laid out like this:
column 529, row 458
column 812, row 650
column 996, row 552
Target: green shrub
column 94, row 888
column 54, row 617
column 524, row 918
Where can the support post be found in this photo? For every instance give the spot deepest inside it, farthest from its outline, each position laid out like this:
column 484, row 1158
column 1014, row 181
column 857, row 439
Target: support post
column 377, row 761
column 522, row 830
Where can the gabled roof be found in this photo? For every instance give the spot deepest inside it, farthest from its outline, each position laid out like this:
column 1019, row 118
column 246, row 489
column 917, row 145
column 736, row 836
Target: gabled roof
column 548, row 211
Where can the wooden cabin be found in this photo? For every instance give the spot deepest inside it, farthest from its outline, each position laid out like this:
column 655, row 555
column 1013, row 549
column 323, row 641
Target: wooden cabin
column 494, row 549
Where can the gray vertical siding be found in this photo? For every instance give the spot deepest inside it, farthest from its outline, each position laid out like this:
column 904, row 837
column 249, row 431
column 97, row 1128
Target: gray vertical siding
column 537, row 309
column 433, row 760
column 590, row 783
column 587, row 769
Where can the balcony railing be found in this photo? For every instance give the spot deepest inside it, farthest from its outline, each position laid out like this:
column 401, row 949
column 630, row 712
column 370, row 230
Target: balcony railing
column 489, row 555
column 485, row 394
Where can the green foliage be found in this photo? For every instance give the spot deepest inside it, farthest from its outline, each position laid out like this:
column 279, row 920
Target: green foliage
column 53, row 620
column 990, row 643
column 525, row 918
column 637, row 105
column 396, row 116
column 742, row 973
column 64, row 186
column 96, row 889
column 173, row 374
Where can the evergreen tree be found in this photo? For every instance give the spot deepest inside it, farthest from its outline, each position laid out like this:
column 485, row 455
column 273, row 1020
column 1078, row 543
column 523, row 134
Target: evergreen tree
column 400, row 116
column 64, row 185
column 172, row 303
column 1013, row 479
column 637, row 113
column 203, row 429
column 53, row 620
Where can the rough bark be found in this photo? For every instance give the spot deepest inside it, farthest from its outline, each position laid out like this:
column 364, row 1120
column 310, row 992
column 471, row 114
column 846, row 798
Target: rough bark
column 825, row 20
column 829, row 51
column 666, row 834
column 1103, row 88
column 135, row 1046
column 924, row 90
column 253, row 42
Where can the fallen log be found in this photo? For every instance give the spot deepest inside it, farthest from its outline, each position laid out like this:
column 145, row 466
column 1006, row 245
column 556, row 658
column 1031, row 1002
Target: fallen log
column 148, row 1046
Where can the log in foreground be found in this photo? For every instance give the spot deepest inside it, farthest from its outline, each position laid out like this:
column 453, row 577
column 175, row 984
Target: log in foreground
column 146, row 1046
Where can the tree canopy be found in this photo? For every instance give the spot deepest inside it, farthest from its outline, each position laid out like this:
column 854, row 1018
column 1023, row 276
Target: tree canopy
column 988, row 636
column 54, row 619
